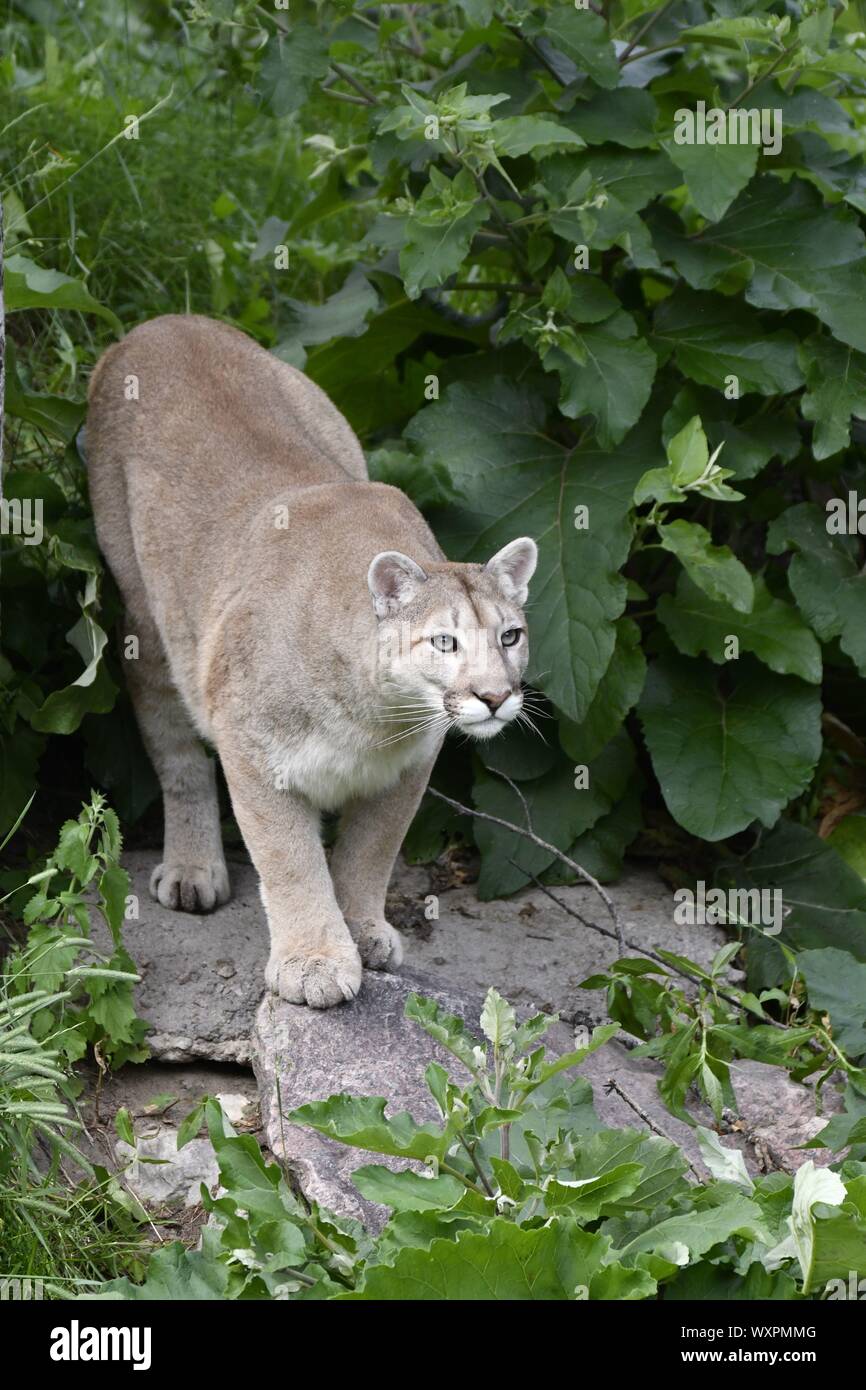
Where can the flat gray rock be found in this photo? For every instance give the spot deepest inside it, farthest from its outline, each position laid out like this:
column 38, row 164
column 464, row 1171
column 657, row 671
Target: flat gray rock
column 202, row 976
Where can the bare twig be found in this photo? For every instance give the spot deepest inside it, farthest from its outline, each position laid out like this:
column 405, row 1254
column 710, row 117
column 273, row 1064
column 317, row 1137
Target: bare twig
column 644, row 29
column 613, row 1085
column 643, row 950
column 543, row 844
column 369, row 97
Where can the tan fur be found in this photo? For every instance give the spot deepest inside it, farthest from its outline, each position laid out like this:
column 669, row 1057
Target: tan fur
column 233, row 505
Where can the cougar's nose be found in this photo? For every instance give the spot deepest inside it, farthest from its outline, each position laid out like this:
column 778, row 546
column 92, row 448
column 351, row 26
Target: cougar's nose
column 492, row 700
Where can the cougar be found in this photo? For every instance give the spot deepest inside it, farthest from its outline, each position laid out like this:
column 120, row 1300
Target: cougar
column 299, row 619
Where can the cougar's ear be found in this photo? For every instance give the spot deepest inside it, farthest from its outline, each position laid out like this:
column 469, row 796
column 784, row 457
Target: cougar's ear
column 513, row 566
column 394, row 580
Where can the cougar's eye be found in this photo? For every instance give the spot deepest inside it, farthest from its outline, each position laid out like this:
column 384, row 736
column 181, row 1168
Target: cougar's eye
column 444, row 642
column 511, row 637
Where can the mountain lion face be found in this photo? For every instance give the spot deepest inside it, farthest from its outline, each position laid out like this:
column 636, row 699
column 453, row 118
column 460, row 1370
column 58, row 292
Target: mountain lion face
column 453, row 644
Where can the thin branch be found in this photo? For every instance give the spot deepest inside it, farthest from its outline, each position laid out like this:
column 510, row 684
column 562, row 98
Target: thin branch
column 369, row 97
column 613, row 1085
column 536, row 53
column 644, row 29
column 762, row 77
column 543, row 844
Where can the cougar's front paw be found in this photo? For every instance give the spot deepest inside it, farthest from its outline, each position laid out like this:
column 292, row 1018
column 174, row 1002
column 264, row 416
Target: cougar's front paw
column 190, row 887
column 379, row 944
column 320, row 980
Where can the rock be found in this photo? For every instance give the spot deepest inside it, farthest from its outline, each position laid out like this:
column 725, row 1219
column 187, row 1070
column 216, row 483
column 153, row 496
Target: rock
column 203, row 985
column 534, row 953
column 366, row 1048
column 369, row 1048
column 776, row 1114
column 203, row 976
column 175, row 1180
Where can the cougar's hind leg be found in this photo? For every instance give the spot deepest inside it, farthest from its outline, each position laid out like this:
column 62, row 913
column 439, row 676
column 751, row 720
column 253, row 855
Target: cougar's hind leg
column 192, row 876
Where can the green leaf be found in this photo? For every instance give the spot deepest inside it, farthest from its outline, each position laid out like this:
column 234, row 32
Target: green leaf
column 113, row 889
column 713, row 568
column 714, row 337
column 583, row 37
column 292, row 63
column 445, row 1028
column 174, row 1272
column 626, row 117
column 440, row 231
column 837, row 986
column 344, row 315
column 360, row 1122
column 701, row 1229
column 190, row 1125
column 29, row 286
column 586, row 1198
column 56, row 415
column 796, row 253
column 498, row 1020
column 559, row 811
column 407, row 1191
column 618, row 692
column 733, row 31
column 714, row 174
column 504, row 1262
column 835, row 390
column 123, row 1125
column 726, row 758
column 606, row 372
column 827, row 898
column 824, row 577
column 773, row 631
column 519, row 135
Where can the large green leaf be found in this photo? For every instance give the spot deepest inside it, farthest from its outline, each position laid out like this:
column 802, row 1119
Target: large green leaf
column 626, row 117
column 606, row 372
column 714, row 337
column 30, row 286
column 618, row 692
column 360, row 1121
column 837, row 986
column 504, row 1262
column 697, row 1230
column 835, row 390
column 825, row 577
column 826, row 898
column 292, row 63
column 726, row 757
column 795, row 252
column 583, row 37
column 773, row 631
column 714, row 174
column 713, row 568
column 559, row 812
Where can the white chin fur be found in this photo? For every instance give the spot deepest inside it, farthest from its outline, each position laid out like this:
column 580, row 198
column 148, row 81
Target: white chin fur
column 485, row 728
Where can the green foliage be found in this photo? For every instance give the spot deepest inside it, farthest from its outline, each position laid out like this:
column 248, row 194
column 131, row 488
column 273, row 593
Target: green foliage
column 516, row 1194
column 89, row 993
